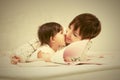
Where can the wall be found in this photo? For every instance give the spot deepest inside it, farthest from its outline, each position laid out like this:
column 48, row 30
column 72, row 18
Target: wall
column 19, row 20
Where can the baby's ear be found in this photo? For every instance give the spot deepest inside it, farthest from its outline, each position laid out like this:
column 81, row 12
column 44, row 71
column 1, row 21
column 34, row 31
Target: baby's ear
column 52, row 39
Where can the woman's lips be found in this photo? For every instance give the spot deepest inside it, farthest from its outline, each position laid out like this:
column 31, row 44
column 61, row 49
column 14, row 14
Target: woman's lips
column 67, row 40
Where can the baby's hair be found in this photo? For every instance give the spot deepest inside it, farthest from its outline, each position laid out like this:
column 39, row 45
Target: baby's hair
column 48, row 30
column 88, row 24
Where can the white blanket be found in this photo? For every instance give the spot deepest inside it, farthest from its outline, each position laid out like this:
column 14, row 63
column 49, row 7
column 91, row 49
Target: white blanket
column 40, row 70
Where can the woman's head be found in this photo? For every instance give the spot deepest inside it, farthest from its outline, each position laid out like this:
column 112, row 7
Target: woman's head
column 83, row 26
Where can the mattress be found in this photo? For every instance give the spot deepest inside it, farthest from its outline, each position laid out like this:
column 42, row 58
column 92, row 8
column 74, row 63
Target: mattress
column 107, row 67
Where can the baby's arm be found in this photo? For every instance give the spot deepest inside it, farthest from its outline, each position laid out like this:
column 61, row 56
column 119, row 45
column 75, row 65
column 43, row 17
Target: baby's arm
column 58, row 57
column 44, row 56
column 15, row 58
column 23, row 53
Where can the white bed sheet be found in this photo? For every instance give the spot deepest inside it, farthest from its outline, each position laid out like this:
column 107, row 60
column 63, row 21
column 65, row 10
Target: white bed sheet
column 39, row 70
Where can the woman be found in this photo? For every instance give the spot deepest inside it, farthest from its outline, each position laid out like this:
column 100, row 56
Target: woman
column 81, row 30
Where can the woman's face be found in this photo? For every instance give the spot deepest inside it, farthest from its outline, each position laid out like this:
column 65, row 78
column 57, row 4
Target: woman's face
column 71, row 35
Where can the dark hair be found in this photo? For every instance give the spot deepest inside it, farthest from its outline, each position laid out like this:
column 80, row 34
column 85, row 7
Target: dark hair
column 48, row 30
column 88, row 24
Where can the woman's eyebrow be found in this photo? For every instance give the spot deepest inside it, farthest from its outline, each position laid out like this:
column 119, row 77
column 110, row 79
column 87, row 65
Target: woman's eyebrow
column 76, row 33
column 69, row 27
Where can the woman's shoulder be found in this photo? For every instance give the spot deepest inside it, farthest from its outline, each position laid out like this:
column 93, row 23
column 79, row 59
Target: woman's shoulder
column 77, row 49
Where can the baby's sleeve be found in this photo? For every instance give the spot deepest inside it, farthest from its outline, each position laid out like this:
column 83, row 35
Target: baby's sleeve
column 26, row 50
column 34, row 55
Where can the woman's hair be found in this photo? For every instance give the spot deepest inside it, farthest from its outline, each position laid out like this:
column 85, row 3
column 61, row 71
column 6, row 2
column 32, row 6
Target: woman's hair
column 88, row 24
column 48, row 30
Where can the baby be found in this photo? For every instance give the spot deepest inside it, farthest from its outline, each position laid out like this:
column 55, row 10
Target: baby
column 51, row 38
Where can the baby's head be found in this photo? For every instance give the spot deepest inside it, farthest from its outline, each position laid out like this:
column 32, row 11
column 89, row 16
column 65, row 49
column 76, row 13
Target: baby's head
column 83, row 26
column 51, row 33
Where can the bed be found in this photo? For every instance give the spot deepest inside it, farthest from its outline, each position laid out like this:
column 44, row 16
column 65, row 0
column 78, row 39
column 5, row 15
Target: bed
column 108, row 68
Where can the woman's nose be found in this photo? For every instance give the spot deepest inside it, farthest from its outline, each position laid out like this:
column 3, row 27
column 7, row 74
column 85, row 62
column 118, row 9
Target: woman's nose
column 68, row 34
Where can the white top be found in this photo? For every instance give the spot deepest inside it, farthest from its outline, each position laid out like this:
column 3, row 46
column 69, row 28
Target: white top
column 75, row 49
column 25, row 51
column 45, row 49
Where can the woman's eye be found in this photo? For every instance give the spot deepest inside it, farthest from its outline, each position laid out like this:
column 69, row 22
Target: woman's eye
column 61, row 32
column 75, row 34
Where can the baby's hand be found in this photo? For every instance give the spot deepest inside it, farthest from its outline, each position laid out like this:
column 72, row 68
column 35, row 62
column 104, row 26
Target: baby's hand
column 45, row 56
column 15, row 59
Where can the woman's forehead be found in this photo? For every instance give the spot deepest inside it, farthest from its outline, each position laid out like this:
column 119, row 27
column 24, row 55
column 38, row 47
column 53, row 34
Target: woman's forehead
column 72, row 27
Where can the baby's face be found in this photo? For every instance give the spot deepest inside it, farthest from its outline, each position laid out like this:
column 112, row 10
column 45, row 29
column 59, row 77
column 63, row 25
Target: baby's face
column 71, row 35
column 60, row 39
